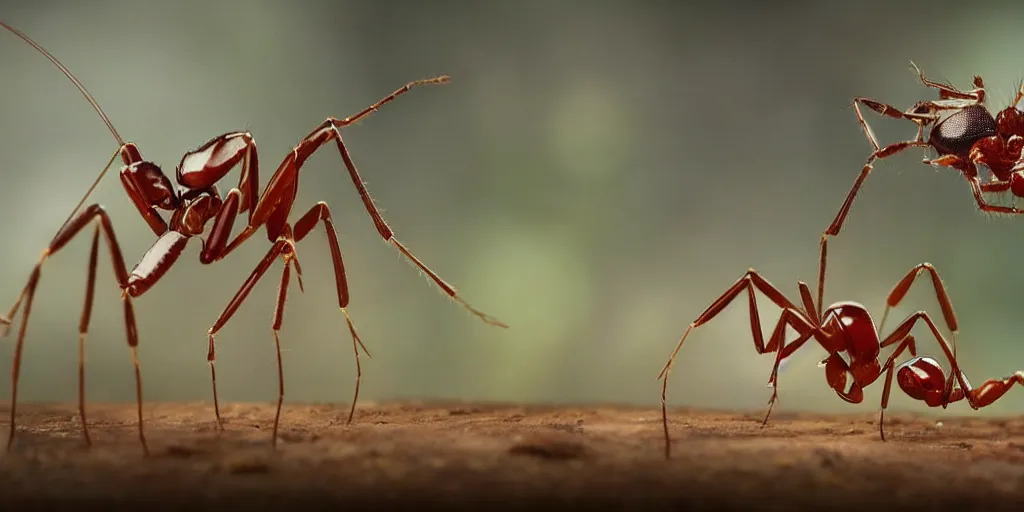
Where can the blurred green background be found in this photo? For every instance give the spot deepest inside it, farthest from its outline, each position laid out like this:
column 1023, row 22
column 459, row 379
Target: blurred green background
column 595, row 175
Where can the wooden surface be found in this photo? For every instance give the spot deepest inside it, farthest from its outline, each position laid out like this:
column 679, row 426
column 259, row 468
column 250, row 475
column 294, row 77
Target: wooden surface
column 464, row 456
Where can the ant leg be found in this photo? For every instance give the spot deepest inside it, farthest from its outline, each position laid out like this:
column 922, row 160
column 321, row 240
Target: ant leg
column 751, row 280
column 793, row 319
column 888, row 111
column 282, row 296
column 1019, row 96
column 388, row 235
column 994, row 187
column 806, row 329
column 283, row 248
column 947, row 91
column 907, row 343
column 991, row 390
column 904, row 329
column 278, row 197
column 322, row 213
column 900, row 291
column 443, row 79
column 844, row 210
column 985, row 206
column 970, row 173
column 83, row 329
column 93, row 213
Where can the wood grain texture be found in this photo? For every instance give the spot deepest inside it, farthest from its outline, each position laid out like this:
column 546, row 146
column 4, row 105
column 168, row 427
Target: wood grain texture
column 467, row 456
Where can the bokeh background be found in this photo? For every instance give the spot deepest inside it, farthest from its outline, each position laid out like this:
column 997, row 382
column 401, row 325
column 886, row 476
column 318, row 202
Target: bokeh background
column 595, row 175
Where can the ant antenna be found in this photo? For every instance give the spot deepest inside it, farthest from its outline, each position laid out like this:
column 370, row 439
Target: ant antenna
column 88, row 97
column 71, row 76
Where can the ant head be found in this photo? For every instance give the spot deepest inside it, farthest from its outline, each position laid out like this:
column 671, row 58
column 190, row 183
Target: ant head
column 1010, row 122
column 922, row 378
column 955, row 134
column 144, row 180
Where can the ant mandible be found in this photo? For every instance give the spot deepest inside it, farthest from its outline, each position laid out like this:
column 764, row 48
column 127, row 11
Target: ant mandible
column 847, row 331
column 965, row 135
column 192, row 206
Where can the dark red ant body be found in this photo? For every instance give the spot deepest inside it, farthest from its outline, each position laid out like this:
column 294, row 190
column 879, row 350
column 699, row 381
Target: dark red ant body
column 965, row 135
column 193, row 204
column 847, row 331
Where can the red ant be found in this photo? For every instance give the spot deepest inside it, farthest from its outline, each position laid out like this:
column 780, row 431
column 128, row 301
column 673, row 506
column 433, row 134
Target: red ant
column 963, row 132
column 192, row 205
column 847, row 331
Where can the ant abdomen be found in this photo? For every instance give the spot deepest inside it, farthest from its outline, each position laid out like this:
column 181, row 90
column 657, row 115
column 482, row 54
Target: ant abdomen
column 956, row 134
column 922, row 378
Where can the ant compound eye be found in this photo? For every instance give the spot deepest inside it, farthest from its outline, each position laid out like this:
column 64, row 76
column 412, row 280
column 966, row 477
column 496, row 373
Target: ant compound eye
column 958, row 132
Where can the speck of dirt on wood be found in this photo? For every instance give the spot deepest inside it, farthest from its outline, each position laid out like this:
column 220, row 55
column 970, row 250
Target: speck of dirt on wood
column 549, row 448
column 246, row 463
column 181, row 451
column 460, row 411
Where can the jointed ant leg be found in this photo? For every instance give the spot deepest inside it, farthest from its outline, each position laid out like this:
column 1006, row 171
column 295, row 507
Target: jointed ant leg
column 907, row 343
column 806, row 331
column 844, row 210
column 794, row 319
column 93, row 213
column 903, row 330
column 83, row 329
column 748, row 283
column 280, row 193
column 388, row 235
column 443, row 79
column 282, row 296
column 889, row 111
column 900, row 291
column 970, row 173
column 321, row 212
column 947, row 91
column 989, row 391
column 285, row 249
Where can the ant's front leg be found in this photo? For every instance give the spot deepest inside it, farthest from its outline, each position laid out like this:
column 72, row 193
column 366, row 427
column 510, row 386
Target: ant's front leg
column 948, row 92
column 924, row 116
column 970, row 173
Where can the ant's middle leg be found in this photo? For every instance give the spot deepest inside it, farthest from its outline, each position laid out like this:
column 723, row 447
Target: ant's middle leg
column 322, row 213
column 284, row 248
